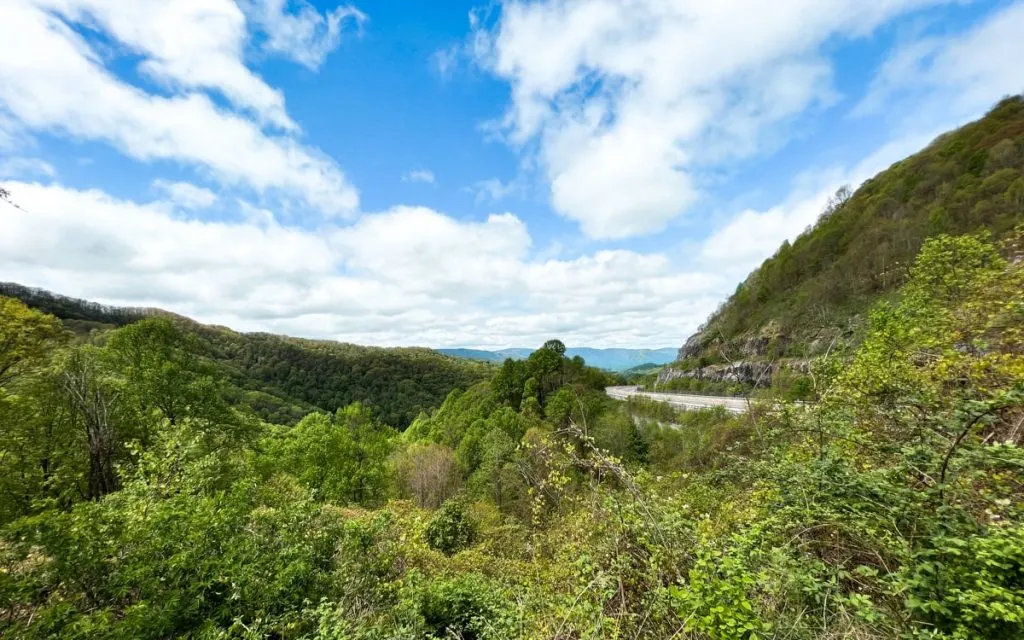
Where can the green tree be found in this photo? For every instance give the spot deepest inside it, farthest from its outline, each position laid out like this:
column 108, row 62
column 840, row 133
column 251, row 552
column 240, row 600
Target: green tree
column 498, row 476
column 163, row 375
column 341, row 460
column 372, row 446
column 555, row 345
column 37, row 446
column 545, row 366
column 27, row 337
column 507, row 385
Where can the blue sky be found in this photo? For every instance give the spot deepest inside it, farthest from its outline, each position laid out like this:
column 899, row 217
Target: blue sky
column 458, row 173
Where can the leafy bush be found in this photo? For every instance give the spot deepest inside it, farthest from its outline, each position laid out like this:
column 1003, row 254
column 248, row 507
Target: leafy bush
column 466, row 607
column 452, row 528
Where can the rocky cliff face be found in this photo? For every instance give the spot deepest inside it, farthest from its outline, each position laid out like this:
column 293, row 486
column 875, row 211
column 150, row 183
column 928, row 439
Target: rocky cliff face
column 755, row 358
column 692, row 348
column 752, row 358
column 742, row 372
column 765, row 341
column 746, row 372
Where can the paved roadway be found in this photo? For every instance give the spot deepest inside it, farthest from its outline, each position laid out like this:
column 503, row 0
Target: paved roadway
column 680, row 400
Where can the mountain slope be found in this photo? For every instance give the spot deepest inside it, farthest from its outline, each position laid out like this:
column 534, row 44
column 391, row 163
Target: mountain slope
column 284, row 378
column 812, row 294
column 474, row 354
column 608, row 359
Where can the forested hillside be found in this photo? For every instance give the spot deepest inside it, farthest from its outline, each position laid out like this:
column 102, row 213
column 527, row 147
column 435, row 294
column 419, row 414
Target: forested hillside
column 163, row 479
column 284, row 378
column 140, row 498
column 814, row 292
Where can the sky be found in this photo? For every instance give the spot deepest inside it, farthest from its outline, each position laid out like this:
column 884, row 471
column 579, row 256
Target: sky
column 460, row 173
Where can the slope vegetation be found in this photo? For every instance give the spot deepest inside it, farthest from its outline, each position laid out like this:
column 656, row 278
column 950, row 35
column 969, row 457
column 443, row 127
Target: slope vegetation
column 137, row 502
column 812, row 294
column 284, row 378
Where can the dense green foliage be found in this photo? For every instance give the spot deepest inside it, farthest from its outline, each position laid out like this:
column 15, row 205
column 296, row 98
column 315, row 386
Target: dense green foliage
column 281, row 378
column 164, row 479
column 140, row 499
column 451, row 528
column 394, row 384
column 814, row 291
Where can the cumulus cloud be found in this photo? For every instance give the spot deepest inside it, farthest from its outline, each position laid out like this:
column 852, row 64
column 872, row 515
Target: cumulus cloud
column 423, row 250
column 306, row 35
column 407, row 275
column 623, row 103
column 419, row 175
column 51, row 79
column 192, row 44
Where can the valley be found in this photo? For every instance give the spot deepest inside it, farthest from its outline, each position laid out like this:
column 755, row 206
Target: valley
column 836, row 452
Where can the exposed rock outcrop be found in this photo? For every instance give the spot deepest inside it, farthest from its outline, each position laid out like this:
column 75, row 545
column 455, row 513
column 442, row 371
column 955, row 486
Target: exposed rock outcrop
column 742, row 372
column 768, row 339
column 745, row 372
column 692, row 348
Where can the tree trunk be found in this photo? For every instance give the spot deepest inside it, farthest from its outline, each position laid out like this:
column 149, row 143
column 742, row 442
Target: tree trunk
column 94, row 404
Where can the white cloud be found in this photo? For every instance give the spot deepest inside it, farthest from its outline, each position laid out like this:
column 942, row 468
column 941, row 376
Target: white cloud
column 306, row 36
column 90, row 242
column 191, row 44
column 751, row 236
column 18, row 167
column 956, row 75
column 409, row 275
column 419, row 175
column 424, row 251
column 623, row 102
column 186, row 194
column 953, row 79
column 52, row 80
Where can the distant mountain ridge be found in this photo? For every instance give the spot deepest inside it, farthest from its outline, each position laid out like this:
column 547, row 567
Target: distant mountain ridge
column 609, row 359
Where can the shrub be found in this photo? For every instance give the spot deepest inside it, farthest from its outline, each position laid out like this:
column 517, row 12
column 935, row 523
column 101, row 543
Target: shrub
column 452, row 527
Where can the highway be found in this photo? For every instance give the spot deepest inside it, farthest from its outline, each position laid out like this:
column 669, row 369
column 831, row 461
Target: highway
column 680, row 400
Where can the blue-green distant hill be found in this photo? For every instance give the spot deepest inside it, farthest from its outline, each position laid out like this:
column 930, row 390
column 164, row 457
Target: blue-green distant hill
column 609, row 359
